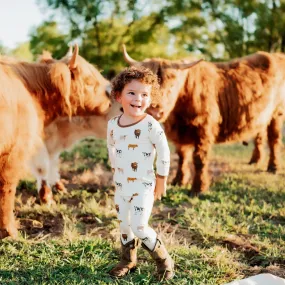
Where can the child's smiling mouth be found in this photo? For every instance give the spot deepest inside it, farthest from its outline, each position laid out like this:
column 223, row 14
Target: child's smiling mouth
column 135, row 106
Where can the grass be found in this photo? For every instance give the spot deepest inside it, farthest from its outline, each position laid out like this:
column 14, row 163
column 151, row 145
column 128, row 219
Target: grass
column 235, row 230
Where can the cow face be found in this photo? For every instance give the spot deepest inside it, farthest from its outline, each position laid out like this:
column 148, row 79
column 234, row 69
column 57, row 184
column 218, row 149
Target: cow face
column 171, row 82
column 83, row 89
column 88, row 86
column 172, row 76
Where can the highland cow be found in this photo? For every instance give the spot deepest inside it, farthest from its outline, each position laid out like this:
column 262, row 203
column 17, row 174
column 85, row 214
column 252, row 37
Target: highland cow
column 33, row 95
column 203, row 103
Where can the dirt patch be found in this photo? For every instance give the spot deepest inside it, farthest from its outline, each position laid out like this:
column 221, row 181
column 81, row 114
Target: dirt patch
column 252, row 254
column 241, row 244
column 90, row 179
column 277, row 270
column 42, row 224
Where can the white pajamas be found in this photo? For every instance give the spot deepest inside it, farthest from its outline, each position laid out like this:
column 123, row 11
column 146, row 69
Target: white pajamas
column 132, row 152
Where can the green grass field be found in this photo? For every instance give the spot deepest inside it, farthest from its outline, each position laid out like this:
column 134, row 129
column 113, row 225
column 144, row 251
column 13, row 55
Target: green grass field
column 235, row 230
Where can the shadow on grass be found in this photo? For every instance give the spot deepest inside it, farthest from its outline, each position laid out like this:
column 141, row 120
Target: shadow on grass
column 67, row 274
column 70, row 274
column 238, row 188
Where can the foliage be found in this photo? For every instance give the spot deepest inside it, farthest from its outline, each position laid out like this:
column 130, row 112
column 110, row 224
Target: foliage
column 223, row 29
column 216, row 30
column 48, row 37
column 22, row 52
column 88, row 149
column 3, row 49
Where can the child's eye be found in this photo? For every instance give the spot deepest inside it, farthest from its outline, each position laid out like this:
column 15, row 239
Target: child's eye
column 132, row 93
column 145, row 95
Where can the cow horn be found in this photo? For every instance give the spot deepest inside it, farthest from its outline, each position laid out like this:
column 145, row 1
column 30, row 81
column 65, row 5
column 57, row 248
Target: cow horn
column 73, row 61
column 189, row 65
column 127, row 58
column 69, row 53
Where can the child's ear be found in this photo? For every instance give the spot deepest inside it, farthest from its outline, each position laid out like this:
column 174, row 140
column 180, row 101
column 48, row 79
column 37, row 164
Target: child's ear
column 119, row 99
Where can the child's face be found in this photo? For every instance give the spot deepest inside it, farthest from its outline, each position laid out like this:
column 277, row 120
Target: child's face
column 135, row 98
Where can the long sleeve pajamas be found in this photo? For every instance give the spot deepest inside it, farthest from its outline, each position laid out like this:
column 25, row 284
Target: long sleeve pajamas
column 132, row 150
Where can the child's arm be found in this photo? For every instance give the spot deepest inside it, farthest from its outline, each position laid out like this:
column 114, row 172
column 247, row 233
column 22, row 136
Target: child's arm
column 111, row 146
column 159, row 140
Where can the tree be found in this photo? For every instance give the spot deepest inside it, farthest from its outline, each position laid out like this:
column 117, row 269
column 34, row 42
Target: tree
column 102, row 27
column 48, row 37
column 228, row 28
column 22, row 52
column 3, row 49
column 216, row 30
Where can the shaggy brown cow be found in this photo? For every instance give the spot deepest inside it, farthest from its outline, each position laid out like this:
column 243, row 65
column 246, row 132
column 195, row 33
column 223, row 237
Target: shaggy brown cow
column 32, row 96
column 205, row 103
column 60, row 135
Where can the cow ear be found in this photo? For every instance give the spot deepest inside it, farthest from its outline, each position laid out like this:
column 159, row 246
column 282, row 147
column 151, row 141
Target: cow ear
column 189, row 65
column 73, row 61
column 45, row 57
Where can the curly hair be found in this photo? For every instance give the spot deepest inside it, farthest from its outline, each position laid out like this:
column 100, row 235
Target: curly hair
column 142, row 74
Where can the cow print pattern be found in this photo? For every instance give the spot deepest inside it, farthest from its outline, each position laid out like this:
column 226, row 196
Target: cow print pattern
column 138, row 210
column 133, row 148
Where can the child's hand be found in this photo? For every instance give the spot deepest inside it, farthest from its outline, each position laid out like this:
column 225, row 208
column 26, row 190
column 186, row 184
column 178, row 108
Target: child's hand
column 160, row 188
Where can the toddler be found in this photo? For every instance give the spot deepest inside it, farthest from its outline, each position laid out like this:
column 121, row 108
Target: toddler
column 133, row 140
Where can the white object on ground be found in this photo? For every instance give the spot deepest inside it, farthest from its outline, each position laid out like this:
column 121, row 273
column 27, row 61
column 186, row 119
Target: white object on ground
column 261, row 279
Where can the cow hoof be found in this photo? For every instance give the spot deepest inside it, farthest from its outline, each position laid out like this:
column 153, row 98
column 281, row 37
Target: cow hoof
column 48, row 203
column 180, row 182
column 12, row 232
column 45, row 195
column 177, row 180
column 175, row 183
column 253, row 161
column 59, row 186
column 194, row 193
column 272, row 169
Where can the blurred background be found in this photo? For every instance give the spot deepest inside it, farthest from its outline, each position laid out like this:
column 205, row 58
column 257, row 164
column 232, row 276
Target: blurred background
column 214, row 30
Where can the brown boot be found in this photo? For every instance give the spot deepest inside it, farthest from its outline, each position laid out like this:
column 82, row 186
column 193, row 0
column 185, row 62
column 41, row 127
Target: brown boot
column 128, row 260
column 164, row 263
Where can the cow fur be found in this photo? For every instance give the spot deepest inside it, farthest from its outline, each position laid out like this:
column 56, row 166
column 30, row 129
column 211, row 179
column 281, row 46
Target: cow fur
column 32, row 95
column 205, row 103
column 61, row 135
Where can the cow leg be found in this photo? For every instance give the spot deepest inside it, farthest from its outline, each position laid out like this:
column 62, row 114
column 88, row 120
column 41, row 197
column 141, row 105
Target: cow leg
column 45, row 194
column 183, row 174
column 8, row 225
column 258, row 152
column 11, row 171
column 200, row 160
column 39, row 165
column 274, row 135
column 54, row 176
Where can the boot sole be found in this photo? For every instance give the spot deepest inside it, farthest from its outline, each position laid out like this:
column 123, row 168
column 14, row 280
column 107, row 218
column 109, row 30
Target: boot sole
column 132, row 270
